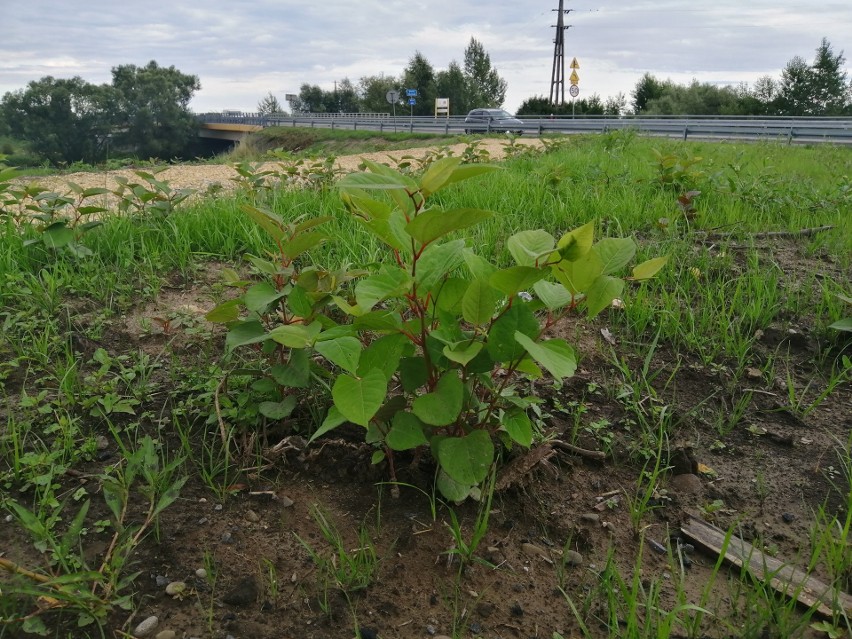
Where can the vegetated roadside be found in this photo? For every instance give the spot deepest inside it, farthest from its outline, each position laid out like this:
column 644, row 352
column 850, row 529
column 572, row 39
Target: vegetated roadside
column 255, row 147
column 716, row 389
column 273, row 160
column 319, row 141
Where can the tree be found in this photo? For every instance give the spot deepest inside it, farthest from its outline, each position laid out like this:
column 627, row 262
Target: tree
column 485, row 88
column 420, row 75
column 311, row 99
column 451, row 84
column 372, row 91
column 796, row 91
column 615, row 105
column 346, row 97
column 65, row 120
column 647, row 88
column 269, row 104
column 817, row 89
column 832, row 94
column 765, row 89
column 154, row 109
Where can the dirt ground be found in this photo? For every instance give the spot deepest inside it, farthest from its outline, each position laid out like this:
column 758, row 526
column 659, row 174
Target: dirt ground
column 556, row 517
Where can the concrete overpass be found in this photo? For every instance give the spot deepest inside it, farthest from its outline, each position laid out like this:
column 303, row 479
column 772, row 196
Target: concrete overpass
column 230, row 131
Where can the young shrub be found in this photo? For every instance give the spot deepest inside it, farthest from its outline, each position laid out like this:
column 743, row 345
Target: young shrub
column 440, row 336
column 281, row 314
column 437, row 337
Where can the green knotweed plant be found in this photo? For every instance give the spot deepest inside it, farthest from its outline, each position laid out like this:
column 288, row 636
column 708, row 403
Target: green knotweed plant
column 59, row 221
column 435, row 341
column 150, row 195
column 317, row 173
column 448, row 334
column 678, row 172
column 281, row 315
column 844, row 323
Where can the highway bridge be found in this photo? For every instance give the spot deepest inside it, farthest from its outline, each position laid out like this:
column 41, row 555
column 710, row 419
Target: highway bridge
column 809, row 130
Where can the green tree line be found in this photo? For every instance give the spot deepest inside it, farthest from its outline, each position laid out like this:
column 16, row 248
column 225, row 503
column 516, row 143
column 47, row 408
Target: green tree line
column 144, row 111
column 473, row 83
column 820, row 88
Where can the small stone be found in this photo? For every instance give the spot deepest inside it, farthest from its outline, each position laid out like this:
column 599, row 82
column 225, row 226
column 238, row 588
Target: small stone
column 101, row 442
column 591, row 518
column 175, row 588
column 573, row 558
column 146, row 627
column 201, row 573
column 243, row 594
column 532, row 550
column 166, row 634
column 686, row 484
column 687, row 548
column 202, row 500
column 285, row 501
column 484, row 609
column 252, row 516
column 227, row 538
column 788, row 518
column 475, row 627
column 516, row 610
column 217, row 507
column 161, row 581
column 202, row 521
column 367, row 633
column 431, row 630
column 9, row 519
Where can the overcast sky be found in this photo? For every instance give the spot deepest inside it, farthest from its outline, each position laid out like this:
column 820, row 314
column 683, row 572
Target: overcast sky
column 242, row 50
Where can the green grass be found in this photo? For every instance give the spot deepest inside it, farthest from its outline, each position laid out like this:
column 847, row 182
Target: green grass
column 716, row 295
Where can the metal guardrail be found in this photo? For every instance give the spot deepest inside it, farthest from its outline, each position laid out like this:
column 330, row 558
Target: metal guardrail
column 786, row 129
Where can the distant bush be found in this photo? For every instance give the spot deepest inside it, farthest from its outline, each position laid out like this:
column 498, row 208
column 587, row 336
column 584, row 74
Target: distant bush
column 21, row 160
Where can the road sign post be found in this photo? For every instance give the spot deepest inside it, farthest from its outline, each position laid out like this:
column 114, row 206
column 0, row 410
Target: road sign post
column 393, row 97
column 442, row 107
column 411, row 94
column 574, row 91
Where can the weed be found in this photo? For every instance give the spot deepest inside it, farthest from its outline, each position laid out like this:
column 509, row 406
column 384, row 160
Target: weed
column 92, row 593
column 348, row 570
column 466, row 549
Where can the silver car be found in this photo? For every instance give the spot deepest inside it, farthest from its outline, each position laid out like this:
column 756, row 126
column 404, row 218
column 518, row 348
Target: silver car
column 492, row 120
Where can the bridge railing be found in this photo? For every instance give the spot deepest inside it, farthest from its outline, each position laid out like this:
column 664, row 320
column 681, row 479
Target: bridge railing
column 789, row 129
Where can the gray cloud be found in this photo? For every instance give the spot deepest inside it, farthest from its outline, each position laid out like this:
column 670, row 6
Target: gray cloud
column 242, row 50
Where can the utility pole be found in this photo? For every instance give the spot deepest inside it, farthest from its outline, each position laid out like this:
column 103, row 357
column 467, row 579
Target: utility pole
column 557, row 80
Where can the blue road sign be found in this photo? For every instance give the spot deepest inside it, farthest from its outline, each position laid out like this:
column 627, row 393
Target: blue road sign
column 411, row 93
column 412, row 101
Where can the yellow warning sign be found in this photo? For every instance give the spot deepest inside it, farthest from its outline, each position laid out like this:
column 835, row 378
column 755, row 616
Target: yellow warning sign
column 575, row 79
column 575, row 64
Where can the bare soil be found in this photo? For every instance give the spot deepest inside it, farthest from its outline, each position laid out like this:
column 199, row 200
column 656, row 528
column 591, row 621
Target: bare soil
column 222, row 176
column 767, row 476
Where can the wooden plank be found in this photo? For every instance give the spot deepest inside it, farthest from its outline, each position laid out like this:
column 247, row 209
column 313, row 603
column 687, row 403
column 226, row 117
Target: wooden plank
column 782, row 577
